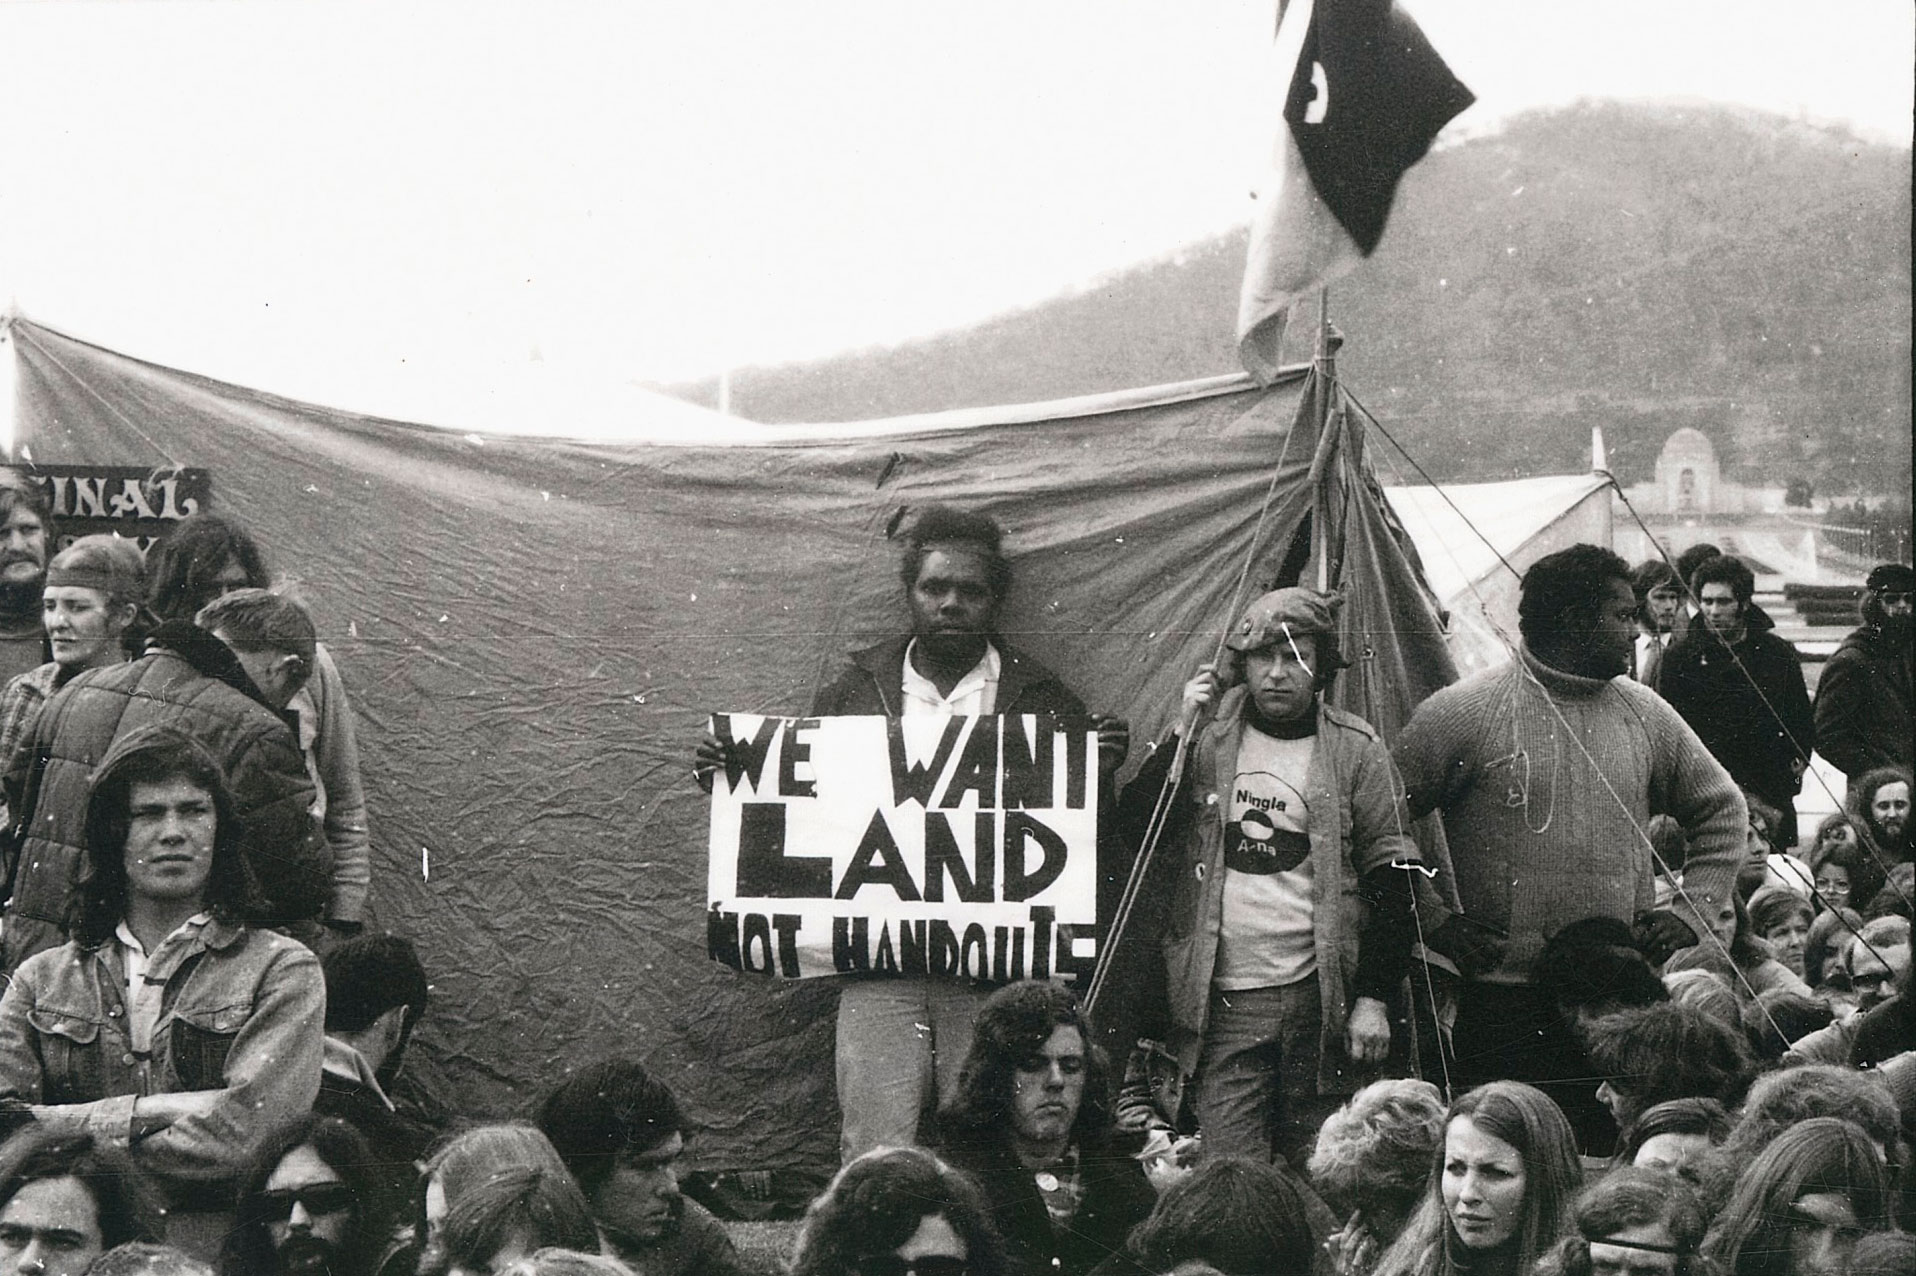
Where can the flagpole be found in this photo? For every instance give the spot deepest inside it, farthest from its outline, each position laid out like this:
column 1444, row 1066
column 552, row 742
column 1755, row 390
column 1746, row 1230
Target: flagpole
column 1325, row 359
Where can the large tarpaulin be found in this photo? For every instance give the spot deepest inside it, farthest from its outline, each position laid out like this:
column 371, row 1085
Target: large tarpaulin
column 533, row 632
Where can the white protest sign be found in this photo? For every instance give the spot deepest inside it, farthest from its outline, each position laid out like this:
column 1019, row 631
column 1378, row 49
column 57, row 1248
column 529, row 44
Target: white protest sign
column 913, row 846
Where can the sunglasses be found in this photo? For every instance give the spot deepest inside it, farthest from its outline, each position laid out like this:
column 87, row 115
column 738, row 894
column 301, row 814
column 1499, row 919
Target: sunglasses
column 320, row 1198
column 892, row 1265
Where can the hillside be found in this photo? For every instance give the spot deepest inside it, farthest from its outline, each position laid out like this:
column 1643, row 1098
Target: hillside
column 1635, row 267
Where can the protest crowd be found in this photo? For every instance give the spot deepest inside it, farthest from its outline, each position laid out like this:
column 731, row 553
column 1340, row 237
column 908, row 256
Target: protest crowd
column 1551, row 983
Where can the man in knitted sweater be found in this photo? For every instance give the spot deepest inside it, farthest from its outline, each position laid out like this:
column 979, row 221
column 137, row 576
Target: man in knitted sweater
column 1547, row 772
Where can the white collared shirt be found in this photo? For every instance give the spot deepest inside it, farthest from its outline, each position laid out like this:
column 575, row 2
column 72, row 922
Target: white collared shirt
column 143, row 998
column 976, row 692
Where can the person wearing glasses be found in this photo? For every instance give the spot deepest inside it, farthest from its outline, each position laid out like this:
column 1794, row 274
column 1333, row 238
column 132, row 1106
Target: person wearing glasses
column 1864, row 717
column 313, row 1202
column 168, row 1025
column 67, row 1198
column 899, row 1212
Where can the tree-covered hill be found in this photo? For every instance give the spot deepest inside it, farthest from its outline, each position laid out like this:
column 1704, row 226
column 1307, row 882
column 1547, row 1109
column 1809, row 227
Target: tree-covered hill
column 1631, row 266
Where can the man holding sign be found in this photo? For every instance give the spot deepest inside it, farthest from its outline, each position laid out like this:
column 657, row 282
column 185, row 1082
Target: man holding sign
column 901, row 1039
column 1289, row 821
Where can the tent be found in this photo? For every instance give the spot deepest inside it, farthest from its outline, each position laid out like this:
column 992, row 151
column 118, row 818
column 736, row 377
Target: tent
column 533, row 630
column 1476, row 539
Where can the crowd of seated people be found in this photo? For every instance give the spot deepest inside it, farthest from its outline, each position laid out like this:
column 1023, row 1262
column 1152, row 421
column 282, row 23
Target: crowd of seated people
column 201, row 1044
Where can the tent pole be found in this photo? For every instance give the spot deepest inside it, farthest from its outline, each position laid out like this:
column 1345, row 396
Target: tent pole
column 1325, row 360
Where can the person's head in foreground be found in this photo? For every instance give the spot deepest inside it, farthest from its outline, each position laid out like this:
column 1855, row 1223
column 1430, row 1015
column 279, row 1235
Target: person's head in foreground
column 620, row 1131
column 1668, row 1135
column 1499, row 1190
column 310, row 1204
column 898, row 1212
column 1631, row 1223
column 66, row 1198
column 148, row 1258
column 469, row 1159
column 1666, row 1051
column 1800, row 1207
column 1032, row 1075
column 1237, row 1216
column 1373, row 1155
column 511, row 1215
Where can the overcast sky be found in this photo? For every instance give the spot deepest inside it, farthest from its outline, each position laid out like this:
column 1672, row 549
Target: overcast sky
column 660, row 190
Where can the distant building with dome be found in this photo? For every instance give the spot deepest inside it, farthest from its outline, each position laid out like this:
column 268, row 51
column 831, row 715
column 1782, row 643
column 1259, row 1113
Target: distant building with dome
column 1689, row 484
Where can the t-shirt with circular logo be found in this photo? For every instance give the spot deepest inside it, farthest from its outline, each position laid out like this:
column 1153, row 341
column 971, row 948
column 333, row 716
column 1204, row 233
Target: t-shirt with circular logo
column 1266, row 939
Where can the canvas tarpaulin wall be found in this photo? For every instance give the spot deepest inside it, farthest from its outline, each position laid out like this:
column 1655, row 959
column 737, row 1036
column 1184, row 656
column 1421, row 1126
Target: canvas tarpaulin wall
column 532, row 632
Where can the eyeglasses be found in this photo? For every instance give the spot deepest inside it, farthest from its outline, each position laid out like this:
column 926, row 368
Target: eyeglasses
column 929, row 1265
column 320, row 1198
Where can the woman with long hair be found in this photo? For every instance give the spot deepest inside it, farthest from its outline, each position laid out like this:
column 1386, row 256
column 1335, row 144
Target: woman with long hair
column 1500, row 1188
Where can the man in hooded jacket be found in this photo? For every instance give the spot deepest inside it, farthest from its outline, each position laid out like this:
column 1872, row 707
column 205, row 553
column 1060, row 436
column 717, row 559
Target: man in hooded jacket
column 1864, row 716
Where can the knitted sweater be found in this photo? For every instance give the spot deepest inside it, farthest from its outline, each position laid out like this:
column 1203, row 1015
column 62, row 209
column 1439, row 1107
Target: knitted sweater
column 1546, row 781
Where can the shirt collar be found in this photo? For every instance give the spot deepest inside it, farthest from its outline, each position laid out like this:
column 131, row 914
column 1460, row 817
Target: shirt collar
column 976, row 682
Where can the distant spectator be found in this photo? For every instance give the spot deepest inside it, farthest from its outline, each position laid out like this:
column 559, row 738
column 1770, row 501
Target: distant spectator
column 91, row 597
column 906, row 1208
column 1244, row 1217
column 1781, row 918
column 1668, row 1135
column 1659, row 606
column 1778, row 1019
column 204, row 558
column 1753, row 970
column 1864, row 717
column 1499, row 1191
column 26, row 532
column 1879, row 802
column 1826, row 949
column 1845, row 873
column 65, row 1198
column 1645, row 1222
column 1741, row 688
column 1031, row 1124
column 314, row 1201
column 1801, row 1205
column 1654, row 1053
column 1371, row 1162
column 621, row 1132
column 1686, row 564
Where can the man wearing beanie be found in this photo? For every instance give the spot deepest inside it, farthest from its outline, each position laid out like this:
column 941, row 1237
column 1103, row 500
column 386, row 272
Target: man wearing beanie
column 1863, row 711
column 1288, row 814
column 1547, row 771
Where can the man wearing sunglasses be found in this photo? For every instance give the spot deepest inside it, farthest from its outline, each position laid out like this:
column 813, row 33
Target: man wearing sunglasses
column 1864, row 713
column 313, row 1203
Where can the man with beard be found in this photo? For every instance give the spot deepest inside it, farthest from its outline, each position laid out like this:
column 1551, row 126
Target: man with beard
column 621, row 1132
column 900, row 1040
column 66, row 1197
column 1864, row 715
column 1879, row 802
column 1740, row 687
column 375, row 994
column 26, row 530
column 1659, row 602
column 312, row 1204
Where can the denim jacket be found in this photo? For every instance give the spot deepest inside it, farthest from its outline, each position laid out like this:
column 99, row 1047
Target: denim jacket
column 242, row 1013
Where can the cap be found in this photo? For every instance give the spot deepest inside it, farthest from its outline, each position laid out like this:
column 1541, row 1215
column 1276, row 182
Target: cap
column 1301, row 611
column 1891, row 576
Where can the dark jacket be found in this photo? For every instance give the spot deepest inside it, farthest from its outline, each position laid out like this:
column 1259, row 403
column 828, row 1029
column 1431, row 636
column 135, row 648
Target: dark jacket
column 872, row 684
column 1756, row 723
column 1864, row 715
column 191, row 682
column 1116, row 1198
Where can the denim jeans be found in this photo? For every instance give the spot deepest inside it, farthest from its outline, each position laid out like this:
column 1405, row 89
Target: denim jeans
column 1257, row 1073
column 900, row 1045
